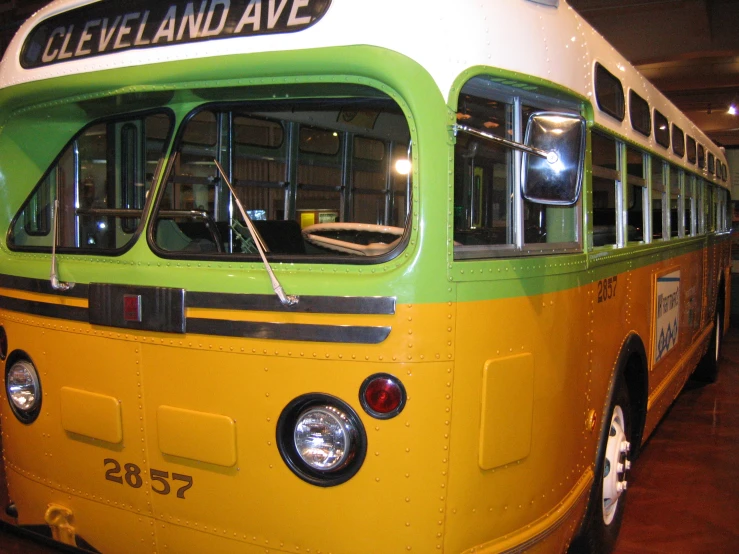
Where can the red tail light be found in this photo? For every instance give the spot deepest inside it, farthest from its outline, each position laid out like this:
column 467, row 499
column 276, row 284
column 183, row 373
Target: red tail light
column 382, row 396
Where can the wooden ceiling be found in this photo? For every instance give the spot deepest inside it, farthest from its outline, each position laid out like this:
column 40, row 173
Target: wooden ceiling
column 688, row 48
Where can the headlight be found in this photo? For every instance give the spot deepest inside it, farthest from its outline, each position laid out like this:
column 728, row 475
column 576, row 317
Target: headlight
column 321, row 439
column 24, row 390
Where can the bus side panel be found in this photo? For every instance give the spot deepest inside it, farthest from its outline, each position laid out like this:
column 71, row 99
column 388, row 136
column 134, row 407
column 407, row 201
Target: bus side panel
column 669, row 370
column 546, row 489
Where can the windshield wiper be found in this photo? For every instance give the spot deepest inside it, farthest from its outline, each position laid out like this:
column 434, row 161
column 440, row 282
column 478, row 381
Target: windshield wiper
column 56, row 284
column 285, row 299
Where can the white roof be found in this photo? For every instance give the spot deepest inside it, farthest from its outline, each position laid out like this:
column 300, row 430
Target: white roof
column 446, row 38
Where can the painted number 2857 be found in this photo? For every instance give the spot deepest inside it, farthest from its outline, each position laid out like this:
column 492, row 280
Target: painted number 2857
column 132, row 477
column 607, row 289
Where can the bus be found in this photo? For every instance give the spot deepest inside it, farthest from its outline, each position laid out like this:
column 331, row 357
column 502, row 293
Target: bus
column 321, row 276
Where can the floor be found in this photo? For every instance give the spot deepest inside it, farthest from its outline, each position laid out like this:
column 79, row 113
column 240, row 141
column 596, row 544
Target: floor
column 683, row 496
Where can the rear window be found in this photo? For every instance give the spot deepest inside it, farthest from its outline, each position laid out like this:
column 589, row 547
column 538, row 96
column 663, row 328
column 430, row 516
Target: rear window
column 322, row 178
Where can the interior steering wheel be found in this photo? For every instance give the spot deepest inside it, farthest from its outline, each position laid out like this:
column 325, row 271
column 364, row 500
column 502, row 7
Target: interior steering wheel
column 371, row 249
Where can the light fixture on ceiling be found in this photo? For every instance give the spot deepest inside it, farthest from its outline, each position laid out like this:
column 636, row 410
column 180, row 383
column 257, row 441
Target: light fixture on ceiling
column 732, row 109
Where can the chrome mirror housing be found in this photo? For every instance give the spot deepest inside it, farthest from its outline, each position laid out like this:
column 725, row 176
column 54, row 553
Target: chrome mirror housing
column 557, row 178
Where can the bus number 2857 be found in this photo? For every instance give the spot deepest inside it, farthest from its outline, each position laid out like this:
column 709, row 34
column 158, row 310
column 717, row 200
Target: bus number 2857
column 132, row 477
column 607, row 288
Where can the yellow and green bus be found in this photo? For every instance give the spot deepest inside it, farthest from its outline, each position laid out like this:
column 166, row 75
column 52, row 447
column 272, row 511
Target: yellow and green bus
column 321, row 276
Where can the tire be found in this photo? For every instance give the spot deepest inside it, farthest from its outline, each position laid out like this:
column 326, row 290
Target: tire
column 707, row 370
column 605, row 511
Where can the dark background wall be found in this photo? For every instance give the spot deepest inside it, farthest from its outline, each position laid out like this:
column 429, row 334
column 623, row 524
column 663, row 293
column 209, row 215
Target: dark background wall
column 12, row 14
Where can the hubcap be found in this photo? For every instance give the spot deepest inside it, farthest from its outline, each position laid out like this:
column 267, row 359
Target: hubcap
column 615, row 465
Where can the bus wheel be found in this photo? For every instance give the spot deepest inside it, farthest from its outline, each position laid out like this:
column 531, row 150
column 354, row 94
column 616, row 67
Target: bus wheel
column 707, row 370
column 605, row 510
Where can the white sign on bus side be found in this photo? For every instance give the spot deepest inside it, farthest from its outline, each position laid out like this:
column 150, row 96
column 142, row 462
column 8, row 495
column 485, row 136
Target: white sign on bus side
column 668, row 314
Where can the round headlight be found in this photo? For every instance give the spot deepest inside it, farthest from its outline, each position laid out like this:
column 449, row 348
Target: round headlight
column 24, row 390
column 321, row 439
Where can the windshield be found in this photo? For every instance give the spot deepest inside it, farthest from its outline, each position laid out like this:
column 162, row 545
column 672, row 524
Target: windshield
column 326, row 177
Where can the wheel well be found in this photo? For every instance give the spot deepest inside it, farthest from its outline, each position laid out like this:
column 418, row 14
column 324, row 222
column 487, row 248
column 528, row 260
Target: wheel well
column 634, row 367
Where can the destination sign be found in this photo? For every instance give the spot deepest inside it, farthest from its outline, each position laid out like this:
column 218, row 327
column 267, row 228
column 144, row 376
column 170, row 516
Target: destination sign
column 113, row 26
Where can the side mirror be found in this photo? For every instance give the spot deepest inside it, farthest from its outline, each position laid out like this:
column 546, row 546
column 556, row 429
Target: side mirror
column 556, row 179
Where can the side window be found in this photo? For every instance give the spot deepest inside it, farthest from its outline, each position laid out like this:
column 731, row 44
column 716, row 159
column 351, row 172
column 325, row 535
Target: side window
column 484, row 181
column 661, row 129
column 639, row 114
column 711, row 164
column 609, row 92
column 636, row 215
column 101, row 180
column 690, row 202
column 324, row 176
column 677, row 210
column 690, row 146
column 491, row 218
column 700, row 203
column 678, row 141
column 606, row 183
column 721, row 210
column 659, row 200
column 708, row 208
column 701, row 156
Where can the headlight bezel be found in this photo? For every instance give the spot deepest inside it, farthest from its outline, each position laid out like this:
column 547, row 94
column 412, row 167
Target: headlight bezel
column 352, row 460
column 24, row 415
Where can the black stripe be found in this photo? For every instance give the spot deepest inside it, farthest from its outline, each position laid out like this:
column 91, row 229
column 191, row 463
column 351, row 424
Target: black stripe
column 350, row 305
column 42, row 286
column 43, row 309
column 347, row 305
column 288, row 331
